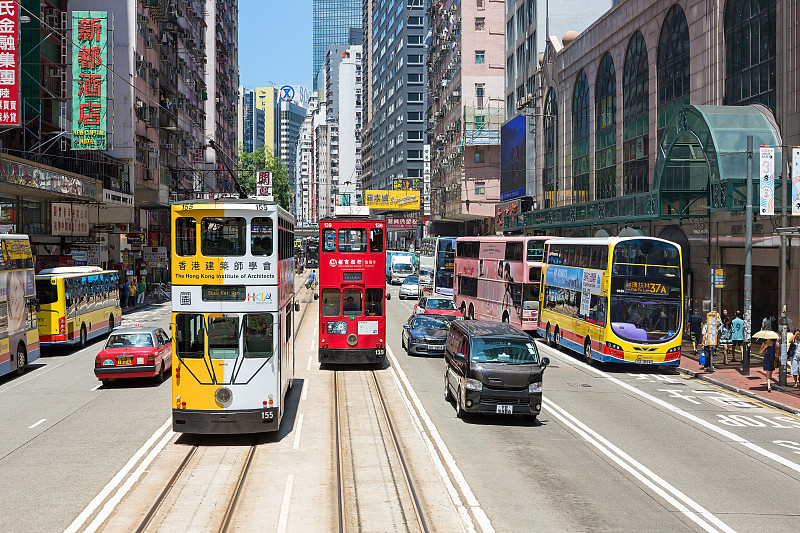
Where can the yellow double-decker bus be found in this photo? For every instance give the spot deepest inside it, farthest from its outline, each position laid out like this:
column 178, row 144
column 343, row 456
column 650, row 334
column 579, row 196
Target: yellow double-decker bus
column 232, row 295
column 616, row 299
column 19, row 340
column 77, row 304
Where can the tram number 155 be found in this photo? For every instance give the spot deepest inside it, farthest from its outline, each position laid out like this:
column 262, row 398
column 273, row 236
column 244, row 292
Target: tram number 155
column 268, row 416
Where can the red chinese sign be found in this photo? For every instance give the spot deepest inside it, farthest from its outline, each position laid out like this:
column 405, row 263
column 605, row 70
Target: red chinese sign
column 402, row 222
column 9, row 63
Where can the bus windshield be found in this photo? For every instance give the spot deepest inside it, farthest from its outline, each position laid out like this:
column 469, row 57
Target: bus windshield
column 507, row 351
column 46, row 292
column 640, row 319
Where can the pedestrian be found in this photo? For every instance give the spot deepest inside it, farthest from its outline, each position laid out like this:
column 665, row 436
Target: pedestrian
column 725, row 338
column 737, row 335
column 124, row 293
column 132, row 295
column 768, row 351
column 695, row 325
column 794, row 358
column 141, row 290
column 773, row 322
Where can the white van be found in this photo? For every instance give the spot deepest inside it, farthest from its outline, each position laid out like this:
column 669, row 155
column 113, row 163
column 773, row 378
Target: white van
column 402, row 266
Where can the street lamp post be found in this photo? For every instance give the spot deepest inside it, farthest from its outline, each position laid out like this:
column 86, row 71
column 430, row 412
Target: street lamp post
column 748, row 260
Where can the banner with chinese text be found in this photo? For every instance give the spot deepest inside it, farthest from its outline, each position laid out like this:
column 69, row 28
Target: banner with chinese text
column 392, row 200
column 393, row 222
column 89, row 79
column 69, row 219
column 766, row 189
column 796, row 180
column 9, row 63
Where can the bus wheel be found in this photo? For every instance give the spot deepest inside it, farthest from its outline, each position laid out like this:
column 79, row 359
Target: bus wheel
column 22, row 359
column 547, row 338
column 83, row 335
column 587, row 351
column 110, row 323
column 556, row 340
column 471, row 312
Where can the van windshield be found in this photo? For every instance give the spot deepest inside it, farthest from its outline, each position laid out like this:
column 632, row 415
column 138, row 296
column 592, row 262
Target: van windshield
column 502, row 350
column 403, row 267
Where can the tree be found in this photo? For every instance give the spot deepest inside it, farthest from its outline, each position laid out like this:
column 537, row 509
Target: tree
column 262, row 159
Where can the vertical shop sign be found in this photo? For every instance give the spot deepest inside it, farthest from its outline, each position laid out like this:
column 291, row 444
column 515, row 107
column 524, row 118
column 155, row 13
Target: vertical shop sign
column 9, row 63
column 766, row 190
column 263, row 183
column 89, row 79
column 796, row 180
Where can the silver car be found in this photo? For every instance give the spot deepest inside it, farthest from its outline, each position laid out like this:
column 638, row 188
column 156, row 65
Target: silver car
column 410, row 287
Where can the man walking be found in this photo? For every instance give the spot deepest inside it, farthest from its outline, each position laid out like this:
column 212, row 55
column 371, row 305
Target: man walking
column 142, row 288
column 737, row 335
column 695, row 328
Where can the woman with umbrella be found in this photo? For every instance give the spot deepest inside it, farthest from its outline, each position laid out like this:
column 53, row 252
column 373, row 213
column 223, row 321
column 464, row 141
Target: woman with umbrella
column 768, row 351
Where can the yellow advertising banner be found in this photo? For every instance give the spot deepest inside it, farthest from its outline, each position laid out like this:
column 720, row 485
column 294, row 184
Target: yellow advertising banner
column 393, row 200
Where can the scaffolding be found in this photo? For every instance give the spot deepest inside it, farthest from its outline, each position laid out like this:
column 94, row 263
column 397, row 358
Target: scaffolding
column 482, row 124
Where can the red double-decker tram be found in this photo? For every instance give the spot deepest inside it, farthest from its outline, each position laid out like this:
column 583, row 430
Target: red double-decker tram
column 352, row 291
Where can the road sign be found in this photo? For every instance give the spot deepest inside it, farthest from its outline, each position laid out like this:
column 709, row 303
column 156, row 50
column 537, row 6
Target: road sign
column 712, row 321
column 719, row 278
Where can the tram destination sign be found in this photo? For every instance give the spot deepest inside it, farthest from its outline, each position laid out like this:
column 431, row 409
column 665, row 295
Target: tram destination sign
column 223, row 293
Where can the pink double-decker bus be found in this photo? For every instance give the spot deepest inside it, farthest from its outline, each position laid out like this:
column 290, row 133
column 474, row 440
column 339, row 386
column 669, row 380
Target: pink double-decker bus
column 497, row 278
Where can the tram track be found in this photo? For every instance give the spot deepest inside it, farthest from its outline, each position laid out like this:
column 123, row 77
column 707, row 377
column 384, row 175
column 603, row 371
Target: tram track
column 387, row 456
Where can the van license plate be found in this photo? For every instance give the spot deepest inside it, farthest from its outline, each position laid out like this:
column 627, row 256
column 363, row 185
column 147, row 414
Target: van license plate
column 505, row 409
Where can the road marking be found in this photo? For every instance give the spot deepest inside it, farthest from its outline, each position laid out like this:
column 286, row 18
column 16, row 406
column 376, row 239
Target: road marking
column 755, row 403
column 310, row 358
column 96, row 387
column 297, row 432
column 696, row 514
column 287, row 497
column 116, row 480
column 37, row 423
column 433, row 441
column 680, row 412
column 305, row 390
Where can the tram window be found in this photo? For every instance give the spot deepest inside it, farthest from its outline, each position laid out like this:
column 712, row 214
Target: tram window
column 258, row 335
column 331, row 302
column 376, row 240
column 353, row 306
column 373, row 302
column 223, row 337
column 186, row 236
column 352, row 240
column 261, row 236
column 190, row 339
column 329, row 238
column 222, row 236
column 288, row 325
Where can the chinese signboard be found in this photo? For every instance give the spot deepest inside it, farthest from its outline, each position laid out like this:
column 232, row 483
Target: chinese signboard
column 402, row 222
column 9, row 63
column 264, row 183
column 766, row 189
column 89, row 79
column 155, row 256
column 392, row 200
column 29, row 176
column 136, row 238
column 406, row 184
column 796, row 180
column 719, row 278
column 70, row 219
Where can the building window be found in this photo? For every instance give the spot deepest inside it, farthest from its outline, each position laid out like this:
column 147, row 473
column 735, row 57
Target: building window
column 414, row 22
column 414, row 135
column 415, row 59
column 672, row 66
column 480, row 90
column 415, row 154
column 510, row 32
column 480, row 188
column 550, row 122
column 414, row 97
column 415, row 78
column 480, row 122
column 750, row 43
column 580, row 140
column 605, row 155
column 480, row 57
column 480, row 4
column 415, row 116
column 415, row 40
column 635, row 115
column 480, row 24
column 480, row 156
column 510, row 70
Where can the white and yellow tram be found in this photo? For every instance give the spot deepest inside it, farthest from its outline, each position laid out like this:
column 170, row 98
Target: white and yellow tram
column 232, row 305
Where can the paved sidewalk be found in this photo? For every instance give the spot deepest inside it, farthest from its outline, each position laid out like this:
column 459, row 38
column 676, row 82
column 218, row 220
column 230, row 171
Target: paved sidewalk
column 731, row 377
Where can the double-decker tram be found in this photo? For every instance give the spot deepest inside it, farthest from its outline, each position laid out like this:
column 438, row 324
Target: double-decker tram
column 352, row 287
column 615, row 299
column 232, row 296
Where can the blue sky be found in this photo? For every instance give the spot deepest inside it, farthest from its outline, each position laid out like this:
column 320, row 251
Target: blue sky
column 275, row 42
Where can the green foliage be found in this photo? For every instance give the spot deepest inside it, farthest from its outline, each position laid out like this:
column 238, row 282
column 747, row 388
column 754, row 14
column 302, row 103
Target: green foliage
column 262, row 159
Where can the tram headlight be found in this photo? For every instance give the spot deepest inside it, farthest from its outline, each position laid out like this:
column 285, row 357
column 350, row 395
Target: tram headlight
column 352, row 339
column 223, row 396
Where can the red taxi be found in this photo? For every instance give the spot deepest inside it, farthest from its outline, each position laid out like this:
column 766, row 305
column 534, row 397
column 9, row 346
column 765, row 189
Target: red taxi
column 436, row 305
column 136, row 352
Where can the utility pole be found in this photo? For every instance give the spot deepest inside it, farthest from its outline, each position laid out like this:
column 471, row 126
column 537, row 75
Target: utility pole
column 748, row 260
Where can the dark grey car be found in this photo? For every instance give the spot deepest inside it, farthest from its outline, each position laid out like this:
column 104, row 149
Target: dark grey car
column 492, row 367
column 426, row 334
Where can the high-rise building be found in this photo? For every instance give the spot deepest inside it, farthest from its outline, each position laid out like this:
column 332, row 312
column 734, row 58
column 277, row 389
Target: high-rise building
column 267, row 101
column 292, row 116
column 251, row 130
column 306, row 165
column 366, row 131
column 335, row 22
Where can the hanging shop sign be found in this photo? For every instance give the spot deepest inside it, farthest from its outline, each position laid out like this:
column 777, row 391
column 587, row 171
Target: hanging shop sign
column 392, row 200
column 796, row 180
column 69, row 219
column 406, row 184
column 263, row 183
column 90, row 79
column 393, row 222
column 766, row 190
column 9, row 63
column 155, row 256
column 37, row 178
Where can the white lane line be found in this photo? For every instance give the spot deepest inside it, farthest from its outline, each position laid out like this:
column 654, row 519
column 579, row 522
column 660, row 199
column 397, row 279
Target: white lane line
column 116, row 480
column 305, row 390
column 692, row 510
column 310, row 359
column 37, row 423
column 453, row 468
column 685, row 414
column 108, row 508
column 96, row 387
column 297, row 432
column 287, row 498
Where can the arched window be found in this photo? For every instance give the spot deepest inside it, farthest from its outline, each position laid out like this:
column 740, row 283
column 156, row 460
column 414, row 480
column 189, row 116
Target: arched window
column 672, row 66
column 580, row 140
column 750, row 52
column 636, row 117
column 550, row 121
column 605, row 143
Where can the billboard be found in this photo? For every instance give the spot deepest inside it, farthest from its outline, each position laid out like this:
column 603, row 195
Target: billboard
column 89, row 79
column 9, row 64
column 767, row 181
column 512, row 158
column 406, row 184
column 392, row 200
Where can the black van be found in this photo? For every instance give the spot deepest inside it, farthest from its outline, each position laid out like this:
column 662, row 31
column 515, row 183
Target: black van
column 492, row 367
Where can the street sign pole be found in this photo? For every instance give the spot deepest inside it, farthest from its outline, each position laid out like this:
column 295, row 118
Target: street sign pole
column 711, row 327
column 748, row 260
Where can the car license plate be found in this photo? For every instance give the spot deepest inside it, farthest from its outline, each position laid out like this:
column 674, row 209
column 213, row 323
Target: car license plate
column 123, row 360
column 436, row 347
column 505, row 409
